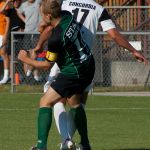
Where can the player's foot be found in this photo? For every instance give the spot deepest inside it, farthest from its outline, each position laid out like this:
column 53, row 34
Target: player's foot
column 36, row 78
column 35, row 148
column 4, row 80
column 67, row 145
column 28, row 73
column 83, row 147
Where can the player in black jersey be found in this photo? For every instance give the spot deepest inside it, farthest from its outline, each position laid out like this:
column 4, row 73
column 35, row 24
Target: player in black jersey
column 74, row 58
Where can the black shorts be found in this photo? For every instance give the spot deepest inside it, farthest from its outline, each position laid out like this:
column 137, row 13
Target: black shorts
column 68, row 86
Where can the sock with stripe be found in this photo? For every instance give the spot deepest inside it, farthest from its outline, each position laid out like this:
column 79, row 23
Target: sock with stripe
column 44, row 124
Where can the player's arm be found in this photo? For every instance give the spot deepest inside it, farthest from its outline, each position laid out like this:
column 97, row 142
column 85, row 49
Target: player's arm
column 2, row 10
column 5, row 37
column 122, row 41
column 23, row 56
column 45, row 34
column 108, row 25
column 20, row 13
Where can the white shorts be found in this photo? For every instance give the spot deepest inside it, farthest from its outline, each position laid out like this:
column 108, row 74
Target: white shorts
column 54, row 70
column 52, row 75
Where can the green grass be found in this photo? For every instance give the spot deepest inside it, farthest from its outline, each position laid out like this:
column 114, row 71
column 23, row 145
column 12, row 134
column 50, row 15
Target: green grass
column 114, row 123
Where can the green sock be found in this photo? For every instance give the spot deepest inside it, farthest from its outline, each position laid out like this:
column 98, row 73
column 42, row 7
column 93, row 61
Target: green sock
column 44, row 124
column 81, row 123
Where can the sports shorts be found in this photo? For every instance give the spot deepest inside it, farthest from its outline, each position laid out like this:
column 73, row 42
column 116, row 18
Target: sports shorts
column 68, row 86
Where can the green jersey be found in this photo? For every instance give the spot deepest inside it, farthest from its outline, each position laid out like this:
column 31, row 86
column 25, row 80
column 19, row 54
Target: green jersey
column 74, row 57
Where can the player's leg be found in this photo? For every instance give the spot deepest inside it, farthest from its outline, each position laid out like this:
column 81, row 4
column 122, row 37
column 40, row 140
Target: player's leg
column 71, row 124
column 75, row 86
column 60, row 116
column 80, row 120
column 45, row 117
column 5, row 57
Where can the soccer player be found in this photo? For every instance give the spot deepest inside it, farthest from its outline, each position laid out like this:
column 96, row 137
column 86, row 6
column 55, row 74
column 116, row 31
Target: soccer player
column 74, row 60
column 89, row 14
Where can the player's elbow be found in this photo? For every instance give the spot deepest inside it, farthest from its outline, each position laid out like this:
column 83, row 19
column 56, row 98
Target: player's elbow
column 48, row 65
column 114, row 34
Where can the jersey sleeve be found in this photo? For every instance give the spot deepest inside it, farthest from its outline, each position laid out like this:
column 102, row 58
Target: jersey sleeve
column 105, row 21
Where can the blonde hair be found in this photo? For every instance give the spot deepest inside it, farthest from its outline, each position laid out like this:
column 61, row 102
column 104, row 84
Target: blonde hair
column 52, row 7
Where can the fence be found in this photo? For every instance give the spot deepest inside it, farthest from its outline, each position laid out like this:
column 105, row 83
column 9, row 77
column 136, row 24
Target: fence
column 25, row 84
column 131, row 18
column 115, row 67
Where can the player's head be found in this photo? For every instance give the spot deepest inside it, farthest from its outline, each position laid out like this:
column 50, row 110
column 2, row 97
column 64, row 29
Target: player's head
column 17, row 3
column 51, row 9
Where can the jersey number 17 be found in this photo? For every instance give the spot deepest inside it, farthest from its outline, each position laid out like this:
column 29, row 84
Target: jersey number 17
column 76, row 14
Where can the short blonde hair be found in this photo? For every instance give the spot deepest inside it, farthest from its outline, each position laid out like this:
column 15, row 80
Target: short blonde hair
column 52, row 7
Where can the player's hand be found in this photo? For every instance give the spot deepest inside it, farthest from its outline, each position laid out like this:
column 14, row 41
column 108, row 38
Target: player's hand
column 22, row 55
column 140, row 57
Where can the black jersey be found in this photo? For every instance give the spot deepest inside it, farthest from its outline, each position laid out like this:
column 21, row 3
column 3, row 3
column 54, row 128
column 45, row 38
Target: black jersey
column 66, row 40
column 15, row 22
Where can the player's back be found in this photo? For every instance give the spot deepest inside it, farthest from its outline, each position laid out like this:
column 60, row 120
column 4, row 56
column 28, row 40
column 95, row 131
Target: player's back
column 88, row 13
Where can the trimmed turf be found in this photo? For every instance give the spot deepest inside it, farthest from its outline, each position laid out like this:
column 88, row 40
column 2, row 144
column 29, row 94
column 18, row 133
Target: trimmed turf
column 114, row 123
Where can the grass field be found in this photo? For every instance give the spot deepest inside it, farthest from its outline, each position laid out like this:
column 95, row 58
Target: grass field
column 114, row 123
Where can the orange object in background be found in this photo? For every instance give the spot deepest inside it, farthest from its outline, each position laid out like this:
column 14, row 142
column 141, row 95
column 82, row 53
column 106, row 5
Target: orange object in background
column 17, row 78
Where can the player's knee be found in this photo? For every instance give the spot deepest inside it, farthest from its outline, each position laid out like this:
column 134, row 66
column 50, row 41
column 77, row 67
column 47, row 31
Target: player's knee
column 44, row 102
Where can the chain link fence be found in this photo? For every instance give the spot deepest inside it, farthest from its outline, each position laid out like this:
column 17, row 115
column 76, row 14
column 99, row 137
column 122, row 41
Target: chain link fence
column 116, row 68
column 20, row 81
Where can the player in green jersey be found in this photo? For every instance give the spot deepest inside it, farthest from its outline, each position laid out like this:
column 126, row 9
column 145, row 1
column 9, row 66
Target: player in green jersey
column 76, row 63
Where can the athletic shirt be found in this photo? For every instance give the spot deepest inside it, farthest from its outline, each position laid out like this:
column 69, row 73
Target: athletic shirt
column 15, row 22
column 32, row 15
column 89, row 14
column 74, row 55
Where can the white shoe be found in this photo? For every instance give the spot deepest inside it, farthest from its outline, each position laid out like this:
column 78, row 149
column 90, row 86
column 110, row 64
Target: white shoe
column 36, row 78
column 4, row 80
column 28, row 73
column 67, row 145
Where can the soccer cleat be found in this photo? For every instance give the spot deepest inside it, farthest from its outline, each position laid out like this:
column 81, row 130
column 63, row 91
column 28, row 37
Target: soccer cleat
column 67, row 145
column 4, row 80
column 35, row 148
column 83, row 147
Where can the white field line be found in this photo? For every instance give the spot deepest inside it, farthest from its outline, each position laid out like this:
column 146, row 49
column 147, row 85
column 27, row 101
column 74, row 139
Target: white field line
column 87, row 109
column 128, row 94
